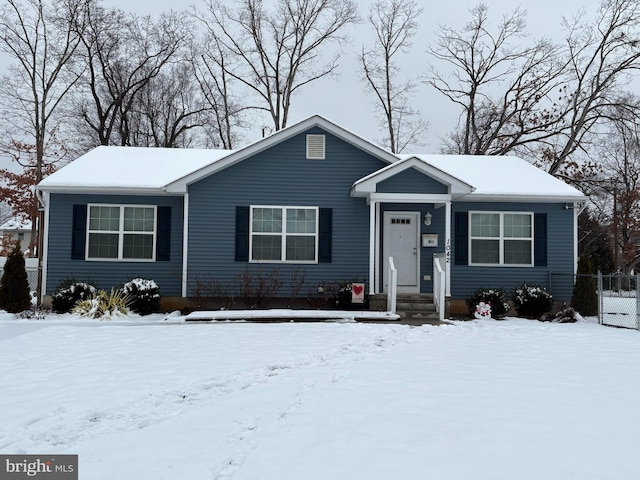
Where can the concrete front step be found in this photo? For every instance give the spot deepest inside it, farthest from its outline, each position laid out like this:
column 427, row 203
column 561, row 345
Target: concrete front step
column 418, row 315
column 428, row 307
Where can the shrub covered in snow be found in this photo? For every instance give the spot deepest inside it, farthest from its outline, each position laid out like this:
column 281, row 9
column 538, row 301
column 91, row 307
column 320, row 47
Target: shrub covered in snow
column 103, row 305
column 532, row 301
column 495, row 297
column 144, row 295
column 69, row 293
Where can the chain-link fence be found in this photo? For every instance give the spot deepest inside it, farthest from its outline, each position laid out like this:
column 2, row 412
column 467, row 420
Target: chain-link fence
column 32, row 277
column 619, row 302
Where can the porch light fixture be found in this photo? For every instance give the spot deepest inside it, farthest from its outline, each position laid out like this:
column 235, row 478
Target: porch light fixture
column 427, row 218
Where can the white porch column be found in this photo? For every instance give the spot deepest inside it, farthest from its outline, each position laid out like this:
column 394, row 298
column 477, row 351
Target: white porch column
column 447, row 247
column 373, row 288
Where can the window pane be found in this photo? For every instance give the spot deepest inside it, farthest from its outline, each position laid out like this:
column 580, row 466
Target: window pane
column 517, row 252
column 138, row 219
column 485, row 224
column 485, row 251
column 266, row 247
column 267, row 220
column 301, row 248
column 517, row 226
column 104, row 218
column 103, row 245
column 138, row 246
column 301, row 220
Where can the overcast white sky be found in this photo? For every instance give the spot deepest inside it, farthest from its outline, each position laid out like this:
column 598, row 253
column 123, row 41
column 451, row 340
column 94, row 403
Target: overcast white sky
column 344, row 100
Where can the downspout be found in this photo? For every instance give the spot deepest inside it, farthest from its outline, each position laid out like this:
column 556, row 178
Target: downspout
column 43, row 242
column 185, row 245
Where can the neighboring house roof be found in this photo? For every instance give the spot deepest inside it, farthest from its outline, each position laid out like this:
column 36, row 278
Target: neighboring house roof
column 153, row 170
column 15, row 224
column 129, row 169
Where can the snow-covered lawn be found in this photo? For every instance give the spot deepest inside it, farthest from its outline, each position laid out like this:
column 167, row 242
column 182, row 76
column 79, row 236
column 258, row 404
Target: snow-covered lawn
column 620, row 311
column 512, row 399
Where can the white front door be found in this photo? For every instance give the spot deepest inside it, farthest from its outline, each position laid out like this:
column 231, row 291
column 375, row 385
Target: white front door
column 401, row 237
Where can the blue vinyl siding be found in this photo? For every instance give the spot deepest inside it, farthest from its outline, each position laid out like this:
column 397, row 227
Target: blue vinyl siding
column 411, row 181
column 111, row 274
column 556, row 275
column 282, row 176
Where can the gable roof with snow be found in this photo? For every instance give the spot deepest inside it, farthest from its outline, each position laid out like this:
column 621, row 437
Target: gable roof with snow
column 15, row 224
column 113, row 169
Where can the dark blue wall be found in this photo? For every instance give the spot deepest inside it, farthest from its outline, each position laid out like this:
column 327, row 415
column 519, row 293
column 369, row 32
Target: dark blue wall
column 411, row 181
column 110, row 274
column 283, row 176
column 556, row 275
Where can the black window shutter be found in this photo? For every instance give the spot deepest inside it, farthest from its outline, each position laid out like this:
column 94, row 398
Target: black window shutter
column 78, row 232
column 540, row 240
column 242, row 234
column 325, row 221
column 163, row 242
column 461, row 242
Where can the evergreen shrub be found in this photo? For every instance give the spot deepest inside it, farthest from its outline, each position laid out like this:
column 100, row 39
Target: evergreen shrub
column 585, row 296
column 532, row 301
column 144, row 295
column 14, row 285
column 69, row 293
column 493, row 296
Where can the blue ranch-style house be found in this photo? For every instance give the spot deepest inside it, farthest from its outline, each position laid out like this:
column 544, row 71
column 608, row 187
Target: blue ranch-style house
column 312, row 198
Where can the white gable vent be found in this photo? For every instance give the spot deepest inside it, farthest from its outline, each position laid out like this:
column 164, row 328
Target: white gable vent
column 315, row 147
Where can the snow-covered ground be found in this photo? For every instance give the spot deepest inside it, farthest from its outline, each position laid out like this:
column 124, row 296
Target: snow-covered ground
column 153, row 399
column 620, row 311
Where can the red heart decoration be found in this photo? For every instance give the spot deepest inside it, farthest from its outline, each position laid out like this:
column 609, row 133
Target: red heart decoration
column 357, row 289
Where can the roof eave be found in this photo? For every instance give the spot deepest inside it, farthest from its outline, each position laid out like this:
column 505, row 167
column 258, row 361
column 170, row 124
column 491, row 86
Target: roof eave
column 102, row 190
column 480, row 197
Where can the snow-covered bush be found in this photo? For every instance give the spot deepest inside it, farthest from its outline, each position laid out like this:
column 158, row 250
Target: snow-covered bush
column 144, row 295
column 566, row 315
column 69, row 293
column 532, row 301
column 492, row 296
column 14, row 286
column 103, row 305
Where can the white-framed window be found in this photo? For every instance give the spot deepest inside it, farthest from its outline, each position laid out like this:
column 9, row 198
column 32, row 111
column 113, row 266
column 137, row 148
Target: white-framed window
column 284, row 234
column 501, row 238
column 121, row 232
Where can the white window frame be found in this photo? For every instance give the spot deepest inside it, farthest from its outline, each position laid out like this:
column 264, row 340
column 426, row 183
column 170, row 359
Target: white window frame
column 501, row 239
column 316, row 137
column 121, row 232
column 284, row 234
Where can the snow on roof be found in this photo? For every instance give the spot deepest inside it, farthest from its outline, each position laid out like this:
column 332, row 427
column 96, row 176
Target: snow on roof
column 130, row 168
column 16, row 224
column 498, row 176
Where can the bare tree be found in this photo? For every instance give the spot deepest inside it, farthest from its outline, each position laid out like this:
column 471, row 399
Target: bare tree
column 40, row 38
column 602, row 57
column 169, row 111
column 502, row 88
column 394, row 25
column 226, row 108
column 278, row 51
column 544, row 100
column 122, row 54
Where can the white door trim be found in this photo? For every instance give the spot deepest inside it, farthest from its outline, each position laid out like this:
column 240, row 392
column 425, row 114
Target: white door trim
column 386, row 221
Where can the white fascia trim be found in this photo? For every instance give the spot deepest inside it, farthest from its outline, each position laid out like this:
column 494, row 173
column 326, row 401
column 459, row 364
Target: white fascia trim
column 185, row 245
column 181, row 184
column 103, row 190
column 525, row 198
column 368, row 184
column 409, row 198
